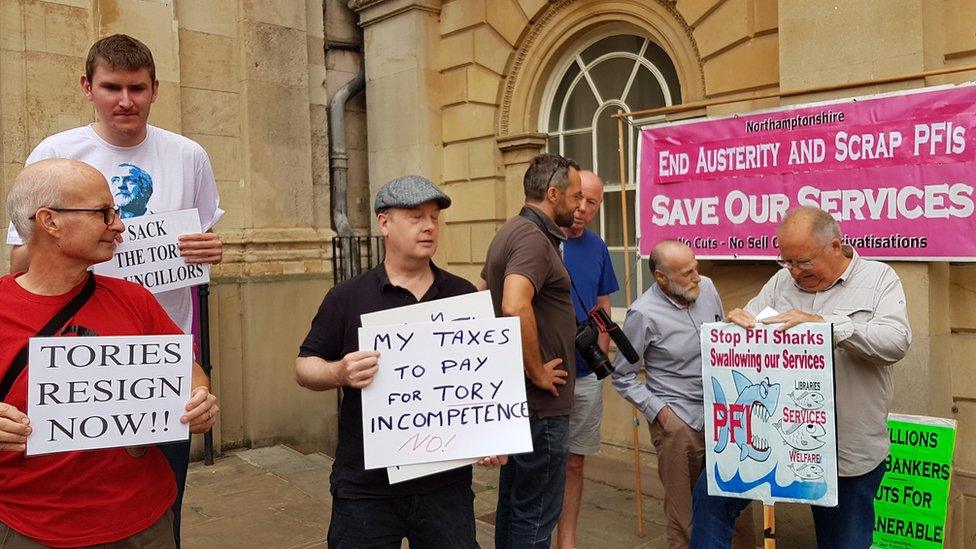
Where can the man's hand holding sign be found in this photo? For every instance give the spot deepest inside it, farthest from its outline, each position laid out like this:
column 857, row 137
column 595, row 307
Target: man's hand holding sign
column 787, row 320
column 164, row 252
column 102, row 392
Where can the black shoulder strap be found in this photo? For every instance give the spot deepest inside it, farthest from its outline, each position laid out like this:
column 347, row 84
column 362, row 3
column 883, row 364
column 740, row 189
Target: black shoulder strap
column 49, row 329
column 534, row 217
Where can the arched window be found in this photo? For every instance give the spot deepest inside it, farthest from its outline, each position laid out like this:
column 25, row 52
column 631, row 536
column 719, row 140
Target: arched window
column 625, row 72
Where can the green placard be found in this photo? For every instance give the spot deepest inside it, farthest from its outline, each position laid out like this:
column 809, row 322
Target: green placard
column 911, row 504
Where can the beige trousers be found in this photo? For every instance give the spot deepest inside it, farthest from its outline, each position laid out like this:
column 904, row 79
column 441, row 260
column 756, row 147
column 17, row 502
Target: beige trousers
column 680, row 460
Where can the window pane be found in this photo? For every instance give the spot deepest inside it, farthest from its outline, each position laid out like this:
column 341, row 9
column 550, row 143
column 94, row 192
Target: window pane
column 582, row 105
column 611, row 76
column 608, row 160
column 614, row 222
column 571, row 73
column 579, row 147
column 660, row 59
column 612, row 44
column 645, row 92
column 595, row 222
column 646, row 278
column 617, row 299
column 553, row 146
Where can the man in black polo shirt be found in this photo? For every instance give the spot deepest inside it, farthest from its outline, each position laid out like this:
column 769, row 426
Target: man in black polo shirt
column 367, row 511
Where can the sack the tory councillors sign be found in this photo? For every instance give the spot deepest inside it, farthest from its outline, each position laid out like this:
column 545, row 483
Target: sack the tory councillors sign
column 898, row 171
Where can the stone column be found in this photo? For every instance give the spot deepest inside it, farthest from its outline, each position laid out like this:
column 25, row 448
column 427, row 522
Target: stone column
column 402, row 83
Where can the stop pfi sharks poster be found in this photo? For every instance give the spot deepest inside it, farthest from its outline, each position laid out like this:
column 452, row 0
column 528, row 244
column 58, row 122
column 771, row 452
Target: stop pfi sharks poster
column 770, row 421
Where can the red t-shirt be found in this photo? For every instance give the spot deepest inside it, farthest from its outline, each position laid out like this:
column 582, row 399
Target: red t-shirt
column 94, row 496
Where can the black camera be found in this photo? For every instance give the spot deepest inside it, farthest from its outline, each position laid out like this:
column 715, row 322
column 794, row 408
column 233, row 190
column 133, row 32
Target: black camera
column 586, row 342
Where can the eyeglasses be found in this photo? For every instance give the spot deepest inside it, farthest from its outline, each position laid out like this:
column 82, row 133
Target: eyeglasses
column 109, row 213
column 802, row 264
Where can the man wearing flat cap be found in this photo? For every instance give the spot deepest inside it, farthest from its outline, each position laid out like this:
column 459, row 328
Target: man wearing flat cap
column 367, row 511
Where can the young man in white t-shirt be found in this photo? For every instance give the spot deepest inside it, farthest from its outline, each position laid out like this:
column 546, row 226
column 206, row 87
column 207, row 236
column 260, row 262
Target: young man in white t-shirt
column 150, row 170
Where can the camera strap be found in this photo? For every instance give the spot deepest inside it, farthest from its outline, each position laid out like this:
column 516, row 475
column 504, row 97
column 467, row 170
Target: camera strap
column 536, row 219
column 57, row 321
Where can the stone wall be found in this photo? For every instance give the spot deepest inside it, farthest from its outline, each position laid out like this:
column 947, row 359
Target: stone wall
column 250, row 81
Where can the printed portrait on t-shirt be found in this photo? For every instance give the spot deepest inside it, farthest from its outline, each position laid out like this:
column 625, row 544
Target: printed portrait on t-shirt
column 132, row 187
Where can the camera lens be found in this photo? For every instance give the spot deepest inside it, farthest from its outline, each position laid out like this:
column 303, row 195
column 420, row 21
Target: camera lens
column 586, row 344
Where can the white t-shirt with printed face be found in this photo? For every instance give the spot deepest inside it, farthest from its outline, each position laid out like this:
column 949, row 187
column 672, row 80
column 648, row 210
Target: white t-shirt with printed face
column 164, row 173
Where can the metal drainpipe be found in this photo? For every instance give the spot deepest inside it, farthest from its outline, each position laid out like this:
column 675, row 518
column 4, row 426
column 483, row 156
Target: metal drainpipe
column 339, row 164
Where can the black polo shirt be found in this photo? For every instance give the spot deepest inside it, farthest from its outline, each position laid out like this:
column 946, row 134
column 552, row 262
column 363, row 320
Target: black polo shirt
column 334, row 334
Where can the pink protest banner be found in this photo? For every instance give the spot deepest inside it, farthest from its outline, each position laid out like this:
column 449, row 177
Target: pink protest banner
column 898, row 171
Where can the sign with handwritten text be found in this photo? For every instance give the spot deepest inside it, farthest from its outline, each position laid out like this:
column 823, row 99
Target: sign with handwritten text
column 444, row 390
column 770, row 420
column 912, row 503
column 462, row 307
column 149, row 254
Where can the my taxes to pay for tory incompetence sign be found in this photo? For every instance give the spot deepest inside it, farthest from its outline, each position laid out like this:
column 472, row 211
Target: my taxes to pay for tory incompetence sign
column 444, row 390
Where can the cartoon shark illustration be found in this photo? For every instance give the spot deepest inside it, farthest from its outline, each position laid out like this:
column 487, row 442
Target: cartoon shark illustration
column 757, row 402
column 808, row 400
column 802, row 436
column 806, row 471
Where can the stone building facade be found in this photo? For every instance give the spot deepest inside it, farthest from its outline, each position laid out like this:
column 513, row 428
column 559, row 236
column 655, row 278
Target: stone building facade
column 250, row 81
column 466, row 92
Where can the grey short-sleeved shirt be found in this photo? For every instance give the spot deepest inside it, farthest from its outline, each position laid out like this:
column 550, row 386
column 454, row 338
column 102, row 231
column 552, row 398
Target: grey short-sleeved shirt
column 521, row 248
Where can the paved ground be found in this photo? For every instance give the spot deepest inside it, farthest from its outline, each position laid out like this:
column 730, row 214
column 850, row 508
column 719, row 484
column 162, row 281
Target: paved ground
column 278, row 497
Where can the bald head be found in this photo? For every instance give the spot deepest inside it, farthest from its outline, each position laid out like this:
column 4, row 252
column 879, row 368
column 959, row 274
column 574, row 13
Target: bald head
column 592, row 182
column 811, row 247
column 667, row 252
column 809, row 222
column 46, row 184
column 592, row 187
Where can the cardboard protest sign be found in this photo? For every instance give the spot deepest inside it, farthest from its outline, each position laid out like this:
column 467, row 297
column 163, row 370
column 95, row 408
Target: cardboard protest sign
column 770, row 422
column 912, row 502
column 462, row 307
column 104, row 392
column 149, row 254
column 444, row 390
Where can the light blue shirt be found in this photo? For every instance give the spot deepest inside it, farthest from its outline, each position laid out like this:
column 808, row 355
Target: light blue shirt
column 665, row 334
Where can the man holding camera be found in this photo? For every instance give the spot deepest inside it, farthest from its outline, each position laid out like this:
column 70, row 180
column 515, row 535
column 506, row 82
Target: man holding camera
column 664, row 326
column 525, row 273
column 588, row 262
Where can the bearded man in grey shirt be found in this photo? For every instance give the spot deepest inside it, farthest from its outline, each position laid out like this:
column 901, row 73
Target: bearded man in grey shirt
column 824, row 280
column 664, row 325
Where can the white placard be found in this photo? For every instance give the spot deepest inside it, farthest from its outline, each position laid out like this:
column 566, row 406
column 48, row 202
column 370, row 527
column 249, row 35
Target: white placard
column 770, row 419
column 462, row 307
column 105, row 392
column 444, row 390
column 149, row 254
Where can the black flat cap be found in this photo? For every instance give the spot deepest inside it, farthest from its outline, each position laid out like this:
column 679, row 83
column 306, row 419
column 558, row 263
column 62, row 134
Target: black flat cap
column 409, row 191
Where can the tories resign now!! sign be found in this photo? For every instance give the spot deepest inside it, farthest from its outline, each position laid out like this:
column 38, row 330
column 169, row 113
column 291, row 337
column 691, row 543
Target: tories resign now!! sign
column 86, row 393
column 898, row 171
